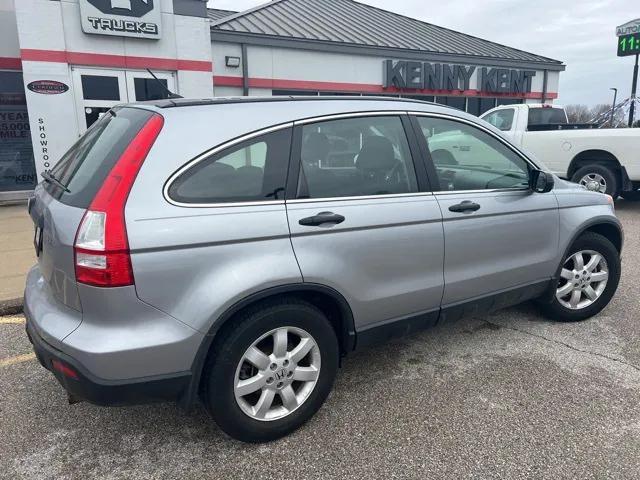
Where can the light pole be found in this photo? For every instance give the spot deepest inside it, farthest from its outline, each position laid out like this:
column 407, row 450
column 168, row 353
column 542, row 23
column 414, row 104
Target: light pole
column 613, row 108
column 633, row 92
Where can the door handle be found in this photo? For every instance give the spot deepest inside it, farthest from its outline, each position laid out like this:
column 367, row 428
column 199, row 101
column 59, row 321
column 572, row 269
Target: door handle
column 466, row 206
column 321, row 218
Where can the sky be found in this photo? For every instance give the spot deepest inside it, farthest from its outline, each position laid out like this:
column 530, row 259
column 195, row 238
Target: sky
column 579, row 33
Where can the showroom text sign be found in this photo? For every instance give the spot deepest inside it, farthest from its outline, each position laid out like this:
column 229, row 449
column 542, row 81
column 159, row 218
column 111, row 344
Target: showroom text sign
column 124, row 18
column 405, row 74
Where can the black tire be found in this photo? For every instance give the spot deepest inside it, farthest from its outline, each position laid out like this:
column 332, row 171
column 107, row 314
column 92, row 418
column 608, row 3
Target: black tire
column 632, row 196
column 554, row 310
column 609, row 175
column 228, row 350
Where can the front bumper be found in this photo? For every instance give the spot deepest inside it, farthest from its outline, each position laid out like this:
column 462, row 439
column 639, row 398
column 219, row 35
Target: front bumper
column 79, row 383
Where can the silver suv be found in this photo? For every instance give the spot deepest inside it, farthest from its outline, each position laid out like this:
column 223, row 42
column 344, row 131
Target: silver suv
column 233, row 250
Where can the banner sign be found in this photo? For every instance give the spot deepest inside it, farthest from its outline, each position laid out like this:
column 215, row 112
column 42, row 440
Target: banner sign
column 17, row 171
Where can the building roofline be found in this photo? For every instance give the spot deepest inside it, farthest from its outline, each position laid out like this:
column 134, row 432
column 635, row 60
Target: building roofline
column 540, row 60
column 245, row 12
column 231, row 12
column 551, row 60
column 227, row 36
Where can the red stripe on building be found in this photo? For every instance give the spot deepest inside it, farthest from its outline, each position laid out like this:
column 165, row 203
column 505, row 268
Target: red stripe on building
column 10, row 63
column 117, row 61
column 226, row 81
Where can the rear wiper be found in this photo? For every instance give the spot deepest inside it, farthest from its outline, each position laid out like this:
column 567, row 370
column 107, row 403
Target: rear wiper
column 49, row 177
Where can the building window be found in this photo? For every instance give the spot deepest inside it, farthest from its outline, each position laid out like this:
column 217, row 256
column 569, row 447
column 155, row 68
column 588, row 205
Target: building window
column 455, row 102
column 293, row 93
column 508, row 101
column 151, row 89
column 423, row 98
column 17, row 168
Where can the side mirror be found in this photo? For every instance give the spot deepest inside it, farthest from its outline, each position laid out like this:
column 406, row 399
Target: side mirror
column 541, row 182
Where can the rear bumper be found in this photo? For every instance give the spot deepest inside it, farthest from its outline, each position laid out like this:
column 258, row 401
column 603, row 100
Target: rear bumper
column 82, row 385
column 120, row 350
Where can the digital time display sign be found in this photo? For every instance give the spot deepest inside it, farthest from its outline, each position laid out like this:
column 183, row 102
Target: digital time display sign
column 629, row 45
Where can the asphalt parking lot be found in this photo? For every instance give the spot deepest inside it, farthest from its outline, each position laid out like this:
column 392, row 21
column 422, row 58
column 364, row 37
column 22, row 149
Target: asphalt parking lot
column 509, row 395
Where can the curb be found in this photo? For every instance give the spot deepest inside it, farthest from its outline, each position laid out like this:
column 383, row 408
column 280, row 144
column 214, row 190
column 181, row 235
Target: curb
column 11, row 307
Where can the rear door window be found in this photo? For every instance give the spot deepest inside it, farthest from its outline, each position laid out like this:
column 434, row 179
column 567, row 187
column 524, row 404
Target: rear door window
column 355, row 157
column 251, row 171
column 87, row 163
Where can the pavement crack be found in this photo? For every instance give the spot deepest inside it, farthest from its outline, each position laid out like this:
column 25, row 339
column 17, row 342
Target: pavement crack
column 567, row 345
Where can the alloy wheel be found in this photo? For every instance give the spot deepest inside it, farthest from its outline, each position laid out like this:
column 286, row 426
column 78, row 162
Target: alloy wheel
column 277, row 373
column 583, row 278
column 594, row 182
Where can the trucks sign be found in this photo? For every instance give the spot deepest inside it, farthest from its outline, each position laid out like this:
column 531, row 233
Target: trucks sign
column 123, row 18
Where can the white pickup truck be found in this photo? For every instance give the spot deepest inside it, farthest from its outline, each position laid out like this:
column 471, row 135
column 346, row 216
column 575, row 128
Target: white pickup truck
column 605, row 160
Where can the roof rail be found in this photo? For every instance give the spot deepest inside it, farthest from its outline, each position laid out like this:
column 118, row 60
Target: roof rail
column 188, row 102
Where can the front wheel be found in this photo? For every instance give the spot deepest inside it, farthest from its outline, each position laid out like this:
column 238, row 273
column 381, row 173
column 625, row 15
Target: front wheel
column 588, row 279
column 272, row 370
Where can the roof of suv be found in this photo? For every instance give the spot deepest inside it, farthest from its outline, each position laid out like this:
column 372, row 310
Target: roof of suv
column 245, row 114
column 190, row 102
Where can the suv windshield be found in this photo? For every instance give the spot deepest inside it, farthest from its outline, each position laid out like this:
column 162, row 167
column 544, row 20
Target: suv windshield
column 85, row 166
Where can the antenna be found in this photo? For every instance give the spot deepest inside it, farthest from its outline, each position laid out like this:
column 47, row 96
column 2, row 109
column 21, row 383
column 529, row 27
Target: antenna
column 170, row 94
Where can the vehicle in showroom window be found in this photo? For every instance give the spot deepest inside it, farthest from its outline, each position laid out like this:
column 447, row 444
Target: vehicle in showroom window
column 237, row 266
column 600, row 159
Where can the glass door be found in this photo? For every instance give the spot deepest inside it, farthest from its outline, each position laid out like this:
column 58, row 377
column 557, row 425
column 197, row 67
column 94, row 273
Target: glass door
column 97, row 91
column 142, row 87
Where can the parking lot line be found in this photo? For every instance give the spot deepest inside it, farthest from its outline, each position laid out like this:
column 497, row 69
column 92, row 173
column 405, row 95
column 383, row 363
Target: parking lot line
column 11, row 321
column 5, row 362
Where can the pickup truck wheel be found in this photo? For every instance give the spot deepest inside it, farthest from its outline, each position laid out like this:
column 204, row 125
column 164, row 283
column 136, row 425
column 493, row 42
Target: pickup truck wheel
column 588, row 278
column 632, row 196
column 598, row 178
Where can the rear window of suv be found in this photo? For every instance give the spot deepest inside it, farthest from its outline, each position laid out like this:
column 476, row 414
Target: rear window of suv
column 88, row 162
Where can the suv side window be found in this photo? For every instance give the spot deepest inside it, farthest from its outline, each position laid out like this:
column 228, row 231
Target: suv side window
column 467, row 158
column 355, row 157
column 251, row 171
column 501, row 119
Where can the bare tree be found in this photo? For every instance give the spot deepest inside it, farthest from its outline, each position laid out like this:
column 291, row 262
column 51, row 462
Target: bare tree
column 578, row 113
column 599, row 109
column 600, row 114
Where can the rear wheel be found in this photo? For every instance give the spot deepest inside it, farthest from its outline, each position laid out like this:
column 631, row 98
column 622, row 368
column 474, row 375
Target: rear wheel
column 598, row 178
column 272, row 371
column 588, row 279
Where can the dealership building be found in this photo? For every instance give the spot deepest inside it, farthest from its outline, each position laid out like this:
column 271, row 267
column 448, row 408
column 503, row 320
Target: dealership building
column 63, row 63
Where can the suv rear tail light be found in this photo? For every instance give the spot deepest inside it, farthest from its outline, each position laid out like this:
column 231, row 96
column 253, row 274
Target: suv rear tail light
column 101, row 247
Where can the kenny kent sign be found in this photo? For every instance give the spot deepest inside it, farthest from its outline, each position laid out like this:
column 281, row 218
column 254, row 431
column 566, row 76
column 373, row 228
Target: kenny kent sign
column 407, row 75
column 123, row 18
